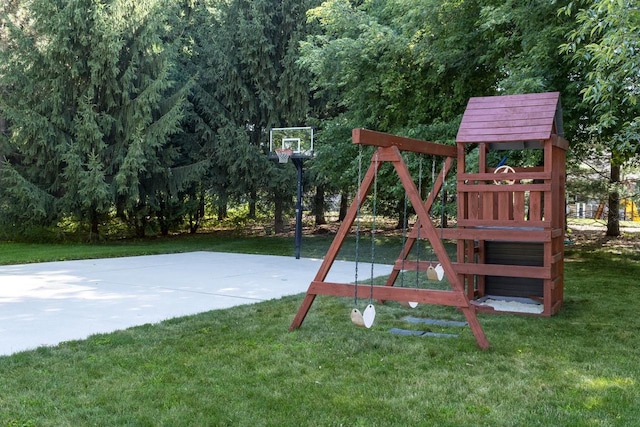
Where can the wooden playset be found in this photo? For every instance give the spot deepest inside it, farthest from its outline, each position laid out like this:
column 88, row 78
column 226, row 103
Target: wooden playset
column 510, row 221
column 510, row 230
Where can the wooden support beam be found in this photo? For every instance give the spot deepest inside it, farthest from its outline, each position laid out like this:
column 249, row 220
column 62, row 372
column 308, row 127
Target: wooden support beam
column 379, row 139
column 410, row 265
column 492, row 188
column 528, row 234
column 560, row 142
column 395, row 293
column 503, row 270
column 531, row 223
column 490, row 176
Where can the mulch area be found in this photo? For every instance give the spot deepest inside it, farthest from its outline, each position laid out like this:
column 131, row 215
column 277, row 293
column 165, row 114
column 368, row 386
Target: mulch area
column 594, row 236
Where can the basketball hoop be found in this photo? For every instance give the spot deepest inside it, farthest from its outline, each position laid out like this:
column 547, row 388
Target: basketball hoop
column 283, row 154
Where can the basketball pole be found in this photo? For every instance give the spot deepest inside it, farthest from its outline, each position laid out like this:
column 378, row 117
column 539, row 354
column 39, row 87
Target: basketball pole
column 300, row 147
column 298, row 239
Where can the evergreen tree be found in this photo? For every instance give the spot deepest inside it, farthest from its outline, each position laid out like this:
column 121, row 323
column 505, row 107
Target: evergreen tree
column 248, row 81
column 90, row 106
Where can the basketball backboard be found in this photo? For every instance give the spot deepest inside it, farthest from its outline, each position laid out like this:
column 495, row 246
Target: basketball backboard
column 297, row 139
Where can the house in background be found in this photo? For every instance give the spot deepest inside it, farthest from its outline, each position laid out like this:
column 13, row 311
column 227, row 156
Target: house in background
column 587, row 193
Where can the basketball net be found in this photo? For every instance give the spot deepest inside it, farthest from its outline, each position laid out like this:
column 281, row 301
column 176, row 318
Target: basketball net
column 283, row 154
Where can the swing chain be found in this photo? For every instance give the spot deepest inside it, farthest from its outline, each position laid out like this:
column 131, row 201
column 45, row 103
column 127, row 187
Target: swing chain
column 404, row 233
column 359, row 201
column 419, row 224
column 373, row 225
column 442, row 201
column 433, row 184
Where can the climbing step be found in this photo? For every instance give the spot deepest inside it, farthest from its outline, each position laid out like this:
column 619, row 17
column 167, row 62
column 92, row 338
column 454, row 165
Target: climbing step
column 435, row 322
column 409, row 332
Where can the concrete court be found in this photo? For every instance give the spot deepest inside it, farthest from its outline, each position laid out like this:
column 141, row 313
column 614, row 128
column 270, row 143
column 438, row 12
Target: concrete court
column 52, row 302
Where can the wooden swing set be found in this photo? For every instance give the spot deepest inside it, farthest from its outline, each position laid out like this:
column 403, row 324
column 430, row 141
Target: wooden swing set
column 389, row 149
column 510, row 220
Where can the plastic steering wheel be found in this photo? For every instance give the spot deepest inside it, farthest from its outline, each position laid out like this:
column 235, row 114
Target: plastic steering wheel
column 504, row 169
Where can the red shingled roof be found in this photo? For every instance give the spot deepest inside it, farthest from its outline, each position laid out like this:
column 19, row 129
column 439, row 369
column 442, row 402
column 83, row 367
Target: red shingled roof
column 510, row 118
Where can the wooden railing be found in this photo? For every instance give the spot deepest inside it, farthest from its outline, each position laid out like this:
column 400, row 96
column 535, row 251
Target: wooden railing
column 519, row 200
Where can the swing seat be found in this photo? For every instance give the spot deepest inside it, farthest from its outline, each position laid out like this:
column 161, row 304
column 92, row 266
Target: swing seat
column 409, row 304
column 356, row 317
column 365, row 319
column 435, row 273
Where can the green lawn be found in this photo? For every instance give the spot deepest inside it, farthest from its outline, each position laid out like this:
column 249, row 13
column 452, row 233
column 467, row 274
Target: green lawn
column 386, row 251
column 17, row 253
column 241, row 366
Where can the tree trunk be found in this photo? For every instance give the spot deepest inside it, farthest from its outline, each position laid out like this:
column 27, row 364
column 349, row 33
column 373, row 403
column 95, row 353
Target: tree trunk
column 344, row 206
column 222, row 206
column 94, row 233
column 443, row 214
column 140, row 221
column 318, row 205
column 164, row 227
column 613, row 220
column 196, row 219
column 222, row 211
column 164, row 217
column 253, row 196
column 137, row 223
column 278, row 214
column 402, row 214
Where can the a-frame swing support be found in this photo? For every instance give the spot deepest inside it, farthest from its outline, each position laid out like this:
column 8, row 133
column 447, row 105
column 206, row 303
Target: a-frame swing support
column 389, row 149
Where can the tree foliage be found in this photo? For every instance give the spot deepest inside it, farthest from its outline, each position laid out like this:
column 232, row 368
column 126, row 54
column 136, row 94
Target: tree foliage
column 410, row 67
column 90, row 104
column 247, row 81
column 606, row 47
column 395, row 65
column 152, row 110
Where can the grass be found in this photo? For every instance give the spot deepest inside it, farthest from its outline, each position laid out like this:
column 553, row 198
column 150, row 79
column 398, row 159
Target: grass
column 386, row 251
column 242, row 367
column 18, row 253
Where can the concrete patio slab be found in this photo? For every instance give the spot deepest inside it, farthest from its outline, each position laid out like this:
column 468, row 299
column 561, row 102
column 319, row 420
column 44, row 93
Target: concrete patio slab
column 48, row 303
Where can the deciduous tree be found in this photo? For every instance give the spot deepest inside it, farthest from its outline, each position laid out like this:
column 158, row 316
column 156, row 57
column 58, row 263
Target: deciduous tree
column 605, row 46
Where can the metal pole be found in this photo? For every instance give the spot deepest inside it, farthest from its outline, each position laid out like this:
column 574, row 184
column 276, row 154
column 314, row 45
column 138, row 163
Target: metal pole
column 298, row 164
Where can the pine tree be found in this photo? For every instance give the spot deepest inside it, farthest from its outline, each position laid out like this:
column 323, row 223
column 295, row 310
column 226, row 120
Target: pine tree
column 90, row 106
column 248, row 81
